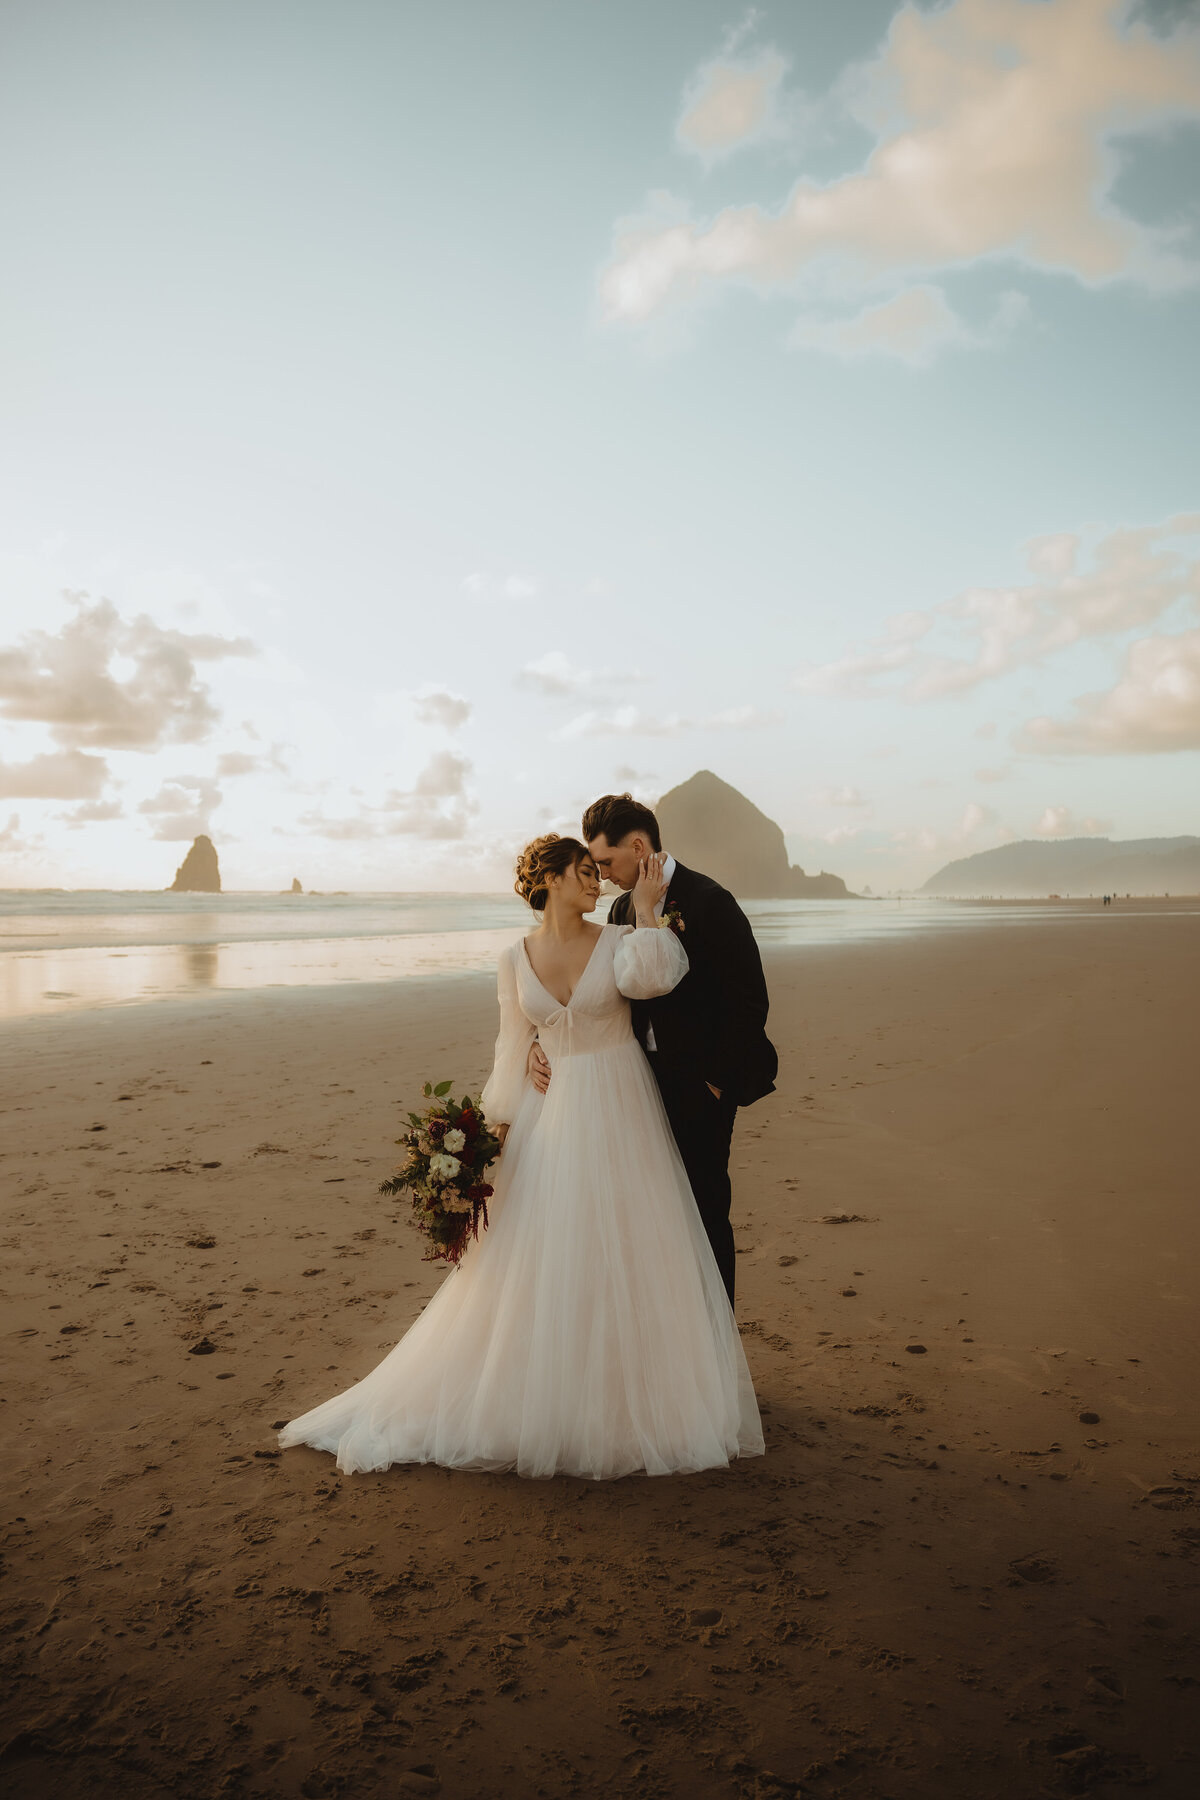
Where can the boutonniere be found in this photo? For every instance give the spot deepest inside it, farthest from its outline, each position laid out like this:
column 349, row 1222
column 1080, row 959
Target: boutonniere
column 672, row 920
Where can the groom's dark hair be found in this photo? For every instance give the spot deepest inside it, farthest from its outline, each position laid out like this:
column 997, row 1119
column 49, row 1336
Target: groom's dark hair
column 616, row 815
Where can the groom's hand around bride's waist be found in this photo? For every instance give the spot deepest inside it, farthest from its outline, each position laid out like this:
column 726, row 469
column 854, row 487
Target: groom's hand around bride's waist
column 537, row 1067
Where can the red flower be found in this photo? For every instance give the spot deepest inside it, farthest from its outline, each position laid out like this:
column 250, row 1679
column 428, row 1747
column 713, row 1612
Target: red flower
column 437, row 1128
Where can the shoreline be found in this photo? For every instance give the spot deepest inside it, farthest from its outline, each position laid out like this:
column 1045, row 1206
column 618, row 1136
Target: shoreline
column 47, row 979
column 940, row 1579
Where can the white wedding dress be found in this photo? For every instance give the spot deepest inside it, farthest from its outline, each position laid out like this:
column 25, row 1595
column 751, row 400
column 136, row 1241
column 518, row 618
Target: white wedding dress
column 588, row 1331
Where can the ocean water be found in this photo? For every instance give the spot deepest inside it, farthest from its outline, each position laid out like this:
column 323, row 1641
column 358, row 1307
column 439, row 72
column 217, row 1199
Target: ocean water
column 62, row 950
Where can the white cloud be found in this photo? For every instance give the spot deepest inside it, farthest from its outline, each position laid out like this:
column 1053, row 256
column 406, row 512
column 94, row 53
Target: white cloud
column 103, row 682
column 57, row 775
column 243, row 762
column 498, row 587
column 855, row 674
column 730, row 103
column 437, row 806
column 11, row 841
column 443, row 777
column 629, row 721
column 1155, row 706
column 1060, row 822
column 975, row 817
column 1053, row 554
column 1136, row 577
column 92, row 812
column 839, row 796
column 555, row 675
column 435, row 706
column 987, row 776
column 182, row 807
column 626, row 721
column 994, row 124
column 913, row 326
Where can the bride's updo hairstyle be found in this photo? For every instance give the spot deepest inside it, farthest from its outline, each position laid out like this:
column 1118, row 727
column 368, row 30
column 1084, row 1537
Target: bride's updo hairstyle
column 546, row 856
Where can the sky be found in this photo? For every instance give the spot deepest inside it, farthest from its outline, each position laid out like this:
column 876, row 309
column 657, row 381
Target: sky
column 418, row 421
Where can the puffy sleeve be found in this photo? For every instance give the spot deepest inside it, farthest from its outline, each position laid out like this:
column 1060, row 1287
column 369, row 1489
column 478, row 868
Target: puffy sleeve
column 647, row 963
column 505, row 1086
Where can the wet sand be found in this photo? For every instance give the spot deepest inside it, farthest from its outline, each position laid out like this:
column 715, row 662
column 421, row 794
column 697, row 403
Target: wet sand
column 965, row 1568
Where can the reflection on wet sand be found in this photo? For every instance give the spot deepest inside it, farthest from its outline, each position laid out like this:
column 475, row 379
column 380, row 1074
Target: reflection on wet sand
column 54, row 981
column 202, row 963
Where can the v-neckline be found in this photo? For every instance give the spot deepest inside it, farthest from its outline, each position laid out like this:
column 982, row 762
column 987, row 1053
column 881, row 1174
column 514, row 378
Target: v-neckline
column 582, row 975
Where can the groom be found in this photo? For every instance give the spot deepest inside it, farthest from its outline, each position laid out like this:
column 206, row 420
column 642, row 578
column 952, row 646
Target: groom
column 705, row 1040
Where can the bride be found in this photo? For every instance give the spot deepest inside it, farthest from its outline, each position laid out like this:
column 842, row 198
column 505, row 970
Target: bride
column 587, row 1331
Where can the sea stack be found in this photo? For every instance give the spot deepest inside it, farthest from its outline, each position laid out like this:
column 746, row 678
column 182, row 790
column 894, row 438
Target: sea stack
column 709, row 826
column 198, row 873
column 296, row 888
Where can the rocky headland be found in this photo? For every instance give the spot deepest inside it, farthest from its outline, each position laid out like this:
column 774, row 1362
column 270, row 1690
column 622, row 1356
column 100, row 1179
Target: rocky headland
column 710, row 826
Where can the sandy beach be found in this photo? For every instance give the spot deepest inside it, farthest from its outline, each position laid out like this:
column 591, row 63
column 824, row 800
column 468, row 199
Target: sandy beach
column 965, row 1568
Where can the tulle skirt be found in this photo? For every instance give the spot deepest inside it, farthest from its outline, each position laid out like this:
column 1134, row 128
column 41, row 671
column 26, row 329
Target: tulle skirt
column 587, row 1332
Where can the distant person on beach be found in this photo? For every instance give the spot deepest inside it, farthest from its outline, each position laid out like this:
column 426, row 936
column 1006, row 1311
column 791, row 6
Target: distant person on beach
column 588, row 1330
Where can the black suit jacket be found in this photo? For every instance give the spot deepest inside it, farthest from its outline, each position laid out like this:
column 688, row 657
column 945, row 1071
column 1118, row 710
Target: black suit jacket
column 712, row 1026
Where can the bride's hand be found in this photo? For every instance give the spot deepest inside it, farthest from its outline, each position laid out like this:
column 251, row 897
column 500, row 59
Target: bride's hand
column 649, row 887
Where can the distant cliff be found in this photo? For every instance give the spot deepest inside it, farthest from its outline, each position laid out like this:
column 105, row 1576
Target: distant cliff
column 709, row 826
column 199, row 872
column 1093, row 865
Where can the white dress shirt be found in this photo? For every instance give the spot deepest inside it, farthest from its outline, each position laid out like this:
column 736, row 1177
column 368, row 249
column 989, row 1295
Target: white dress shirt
column 668, row 873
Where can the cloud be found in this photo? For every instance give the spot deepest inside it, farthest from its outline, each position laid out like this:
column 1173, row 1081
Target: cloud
column 443, row 777
column 993, row 124
column 243, row 762
column 434, row 706
column 57, row 775
column 437, row 806
column 182, row 807
column 913, row 326
column 1154, row 707
column 730, row 104
column 63, row 679
column 1136, row 577
column 504, row 587
column 92, row 812
column 629, row 721
column 1060, row 822
column 555, row 675
column 987, row 776
column 975, row 817
column 11, row 841
column 839, row 796
column 855, row 674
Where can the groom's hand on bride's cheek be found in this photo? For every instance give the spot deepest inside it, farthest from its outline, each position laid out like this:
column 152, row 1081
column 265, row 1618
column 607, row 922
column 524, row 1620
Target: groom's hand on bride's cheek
column 537, row 1067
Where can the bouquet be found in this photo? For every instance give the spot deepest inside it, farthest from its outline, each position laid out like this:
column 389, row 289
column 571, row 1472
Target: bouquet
column 449, row 1151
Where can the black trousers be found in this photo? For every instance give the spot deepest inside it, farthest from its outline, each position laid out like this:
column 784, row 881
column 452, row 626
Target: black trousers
column 703, row 1128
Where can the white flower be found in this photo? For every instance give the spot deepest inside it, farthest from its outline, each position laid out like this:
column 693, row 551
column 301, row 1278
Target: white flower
column 444, row 1168
column 454, row 1140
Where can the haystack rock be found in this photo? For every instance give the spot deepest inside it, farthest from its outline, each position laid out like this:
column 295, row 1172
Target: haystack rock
column 296, row 888
column 198, row 873
column 709, row 826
